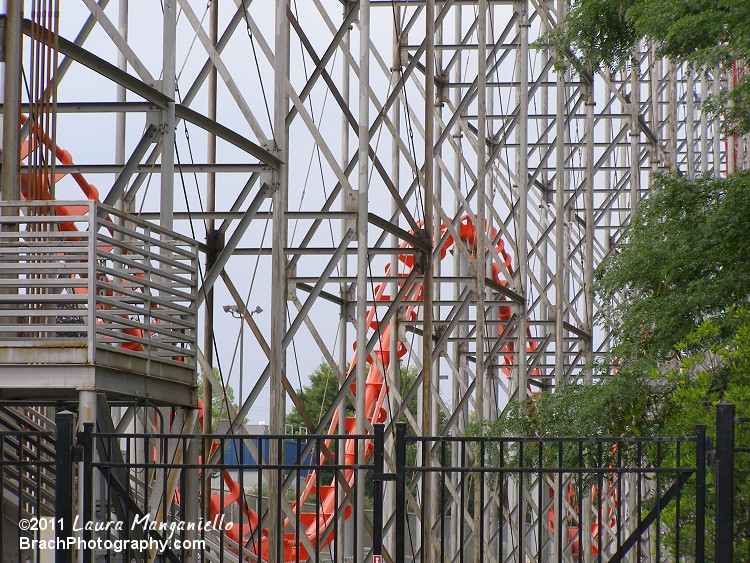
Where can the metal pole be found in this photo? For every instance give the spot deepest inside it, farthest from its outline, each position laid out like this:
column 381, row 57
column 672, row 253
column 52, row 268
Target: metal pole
column 168, row 137
column 362, row 259
column 481, row 239
column 523, row 190
column 63, row 485
column 700, row 493
column 86, row 417
column 192, row 481
column 560, row 264
column 122, row 64
column 690, row 123
column 11, row 187
column 212, row 248
column 394, row 368
column 120, row 139
column 480, row 262
column 86, row 477
column 192, row 487
column 635, row 132
column 704, row 123
column 427, row 285
column 10, row 182
column 345, row 294
column 724, row 482
column 588, row 258
column 377, row 484
column 654, row 79
column 460, row 269
column 672, row 109
column 715, row 126
column 560, row 185
column 521, row 388
column 401, row 516
column 279, row 272
column 242, row 357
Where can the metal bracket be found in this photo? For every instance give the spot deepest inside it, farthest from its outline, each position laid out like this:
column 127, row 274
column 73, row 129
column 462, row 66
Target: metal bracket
column 291, row 286
column 383, row 477
column 443, row 93
column 549, row 193
column 215, row 240
column 422, row 256
column 2, row 39
column 350, row 312
column 154, row 118
column 404, row 50
column 401, row 324
column 351, row 200
column 439, row 331
column 351, row 205
column 267, row 175
column 78, row 447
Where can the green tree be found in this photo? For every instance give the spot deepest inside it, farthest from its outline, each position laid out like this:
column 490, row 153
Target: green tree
column 686, row 260
column 675, row 298
column 317, row 397
column 708, row 34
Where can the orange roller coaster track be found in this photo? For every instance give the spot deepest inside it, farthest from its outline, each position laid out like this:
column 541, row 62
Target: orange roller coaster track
column 318, row 525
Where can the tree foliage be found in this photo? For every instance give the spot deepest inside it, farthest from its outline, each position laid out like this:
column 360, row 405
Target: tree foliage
column 686, row 261
column 675, row 298
column 318, row 396
column 219, row 400
column 614, row 408
column 708, row 34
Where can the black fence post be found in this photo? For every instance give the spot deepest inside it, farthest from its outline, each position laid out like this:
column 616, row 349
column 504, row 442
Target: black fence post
column 88, row 486
column 63, row 486
column 400, row 554
column 700, row 492
column 724, row 482
column 377, row 485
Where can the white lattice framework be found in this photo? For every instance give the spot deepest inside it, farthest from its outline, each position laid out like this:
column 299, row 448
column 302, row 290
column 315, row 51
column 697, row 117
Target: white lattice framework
column 343, row 129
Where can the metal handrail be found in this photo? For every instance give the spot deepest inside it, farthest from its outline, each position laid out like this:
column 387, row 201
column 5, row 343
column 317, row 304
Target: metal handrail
column 79, row 278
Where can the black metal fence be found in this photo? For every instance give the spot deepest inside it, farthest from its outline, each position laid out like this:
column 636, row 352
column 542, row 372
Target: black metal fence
column 732, row 464
column 552, row 499
column 27, row 481
column 300, row 487
column 123, row 497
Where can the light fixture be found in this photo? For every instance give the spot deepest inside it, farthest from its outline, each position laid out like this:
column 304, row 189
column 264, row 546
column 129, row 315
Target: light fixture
column 235, row 309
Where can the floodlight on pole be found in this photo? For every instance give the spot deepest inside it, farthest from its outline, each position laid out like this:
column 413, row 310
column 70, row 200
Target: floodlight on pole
column 236, row 313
